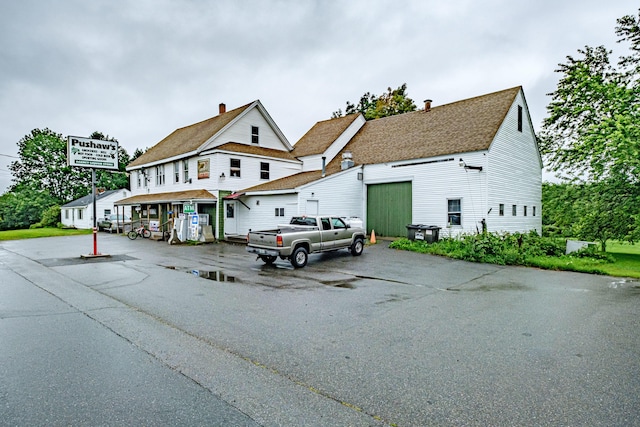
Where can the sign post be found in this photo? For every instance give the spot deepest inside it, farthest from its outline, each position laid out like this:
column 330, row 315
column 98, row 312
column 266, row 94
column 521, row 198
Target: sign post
column 92, row 153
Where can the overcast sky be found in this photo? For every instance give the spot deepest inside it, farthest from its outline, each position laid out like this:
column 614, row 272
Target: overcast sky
column 137, row 70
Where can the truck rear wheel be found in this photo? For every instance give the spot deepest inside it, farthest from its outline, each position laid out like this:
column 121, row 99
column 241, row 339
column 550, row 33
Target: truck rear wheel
column 357, row 247
column 299, row 257
column 268, row 259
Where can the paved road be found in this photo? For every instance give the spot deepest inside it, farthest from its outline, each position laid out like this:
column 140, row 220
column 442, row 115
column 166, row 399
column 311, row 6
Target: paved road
column 389, row 338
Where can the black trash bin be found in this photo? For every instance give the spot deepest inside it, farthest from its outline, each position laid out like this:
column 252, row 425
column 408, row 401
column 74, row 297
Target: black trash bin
column 432, row 233
column 428, row 233
column 415, row 231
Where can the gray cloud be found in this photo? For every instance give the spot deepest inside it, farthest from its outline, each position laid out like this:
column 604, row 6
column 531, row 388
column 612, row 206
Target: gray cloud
column 137, row 70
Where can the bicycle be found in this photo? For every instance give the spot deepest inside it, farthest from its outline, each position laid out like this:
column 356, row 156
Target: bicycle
column 140, row 231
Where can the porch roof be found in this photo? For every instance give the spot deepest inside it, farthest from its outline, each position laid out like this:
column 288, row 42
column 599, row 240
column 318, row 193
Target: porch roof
column 173, row 197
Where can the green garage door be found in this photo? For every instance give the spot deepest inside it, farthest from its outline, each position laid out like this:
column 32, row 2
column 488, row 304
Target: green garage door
column 389, row 208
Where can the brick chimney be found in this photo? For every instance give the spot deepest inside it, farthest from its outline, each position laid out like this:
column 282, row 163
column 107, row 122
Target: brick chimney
column 427, row 105
column 223, row 108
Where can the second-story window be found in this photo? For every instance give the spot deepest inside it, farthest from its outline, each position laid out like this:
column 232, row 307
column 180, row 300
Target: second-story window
column 234, row 169
column 264, row 170
column 255, row 134
column 185, row 170
column 159, row 175
column 139, row 176
column 176, row 172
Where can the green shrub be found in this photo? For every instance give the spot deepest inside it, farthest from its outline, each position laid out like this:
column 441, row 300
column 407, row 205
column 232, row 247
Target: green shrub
column 528, row 249
column 51, row 216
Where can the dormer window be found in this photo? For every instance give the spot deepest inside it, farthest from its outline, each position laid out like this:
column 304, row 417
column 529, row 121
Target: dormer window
column 255, row 132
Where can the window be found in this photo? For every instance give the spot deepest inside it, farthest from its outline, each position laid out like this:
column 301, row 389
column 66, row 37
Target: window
column 534, row 211
column 139, row 175
column 235, row 168
column 80, row 211
column 326, row 224
column 159, row 175
column 230, row 211
column 454, row 212
column 66, row 214
column 264, row 170
column 525, row 210
column 145, row 179
column 514, row 210
column 501, row 209
column 519, row 118
column 338, row 223
column 185, row 170
column 176, row 172
column 279, row 211
column 254, row 134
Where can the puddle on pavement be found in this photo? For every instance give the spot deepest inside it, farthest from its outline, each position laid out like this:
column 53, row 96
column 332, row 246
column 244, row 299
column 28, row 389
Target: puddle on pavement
column 215, row 275
column 489, row 288
column 344, row 284
column 625, row 284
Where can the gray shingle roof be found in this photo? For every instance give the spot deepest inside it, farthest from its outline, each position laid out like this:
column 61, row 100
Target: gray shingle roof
column 86, row 200
column 188, row 138
column 322, row 135
column 458, row 127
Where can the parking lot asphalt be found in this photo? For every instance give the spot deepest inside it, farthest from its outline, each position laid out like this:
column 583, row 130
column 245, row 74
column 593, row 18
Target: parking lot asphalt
column 388, row 338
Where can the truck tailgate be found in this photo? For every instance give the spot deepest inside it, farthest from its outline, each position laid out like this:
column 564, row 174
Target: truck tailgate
column 263, row 238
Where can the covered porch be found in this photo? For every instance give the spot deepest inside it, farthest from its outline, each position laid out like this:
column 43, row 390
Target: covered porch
column 161, row 211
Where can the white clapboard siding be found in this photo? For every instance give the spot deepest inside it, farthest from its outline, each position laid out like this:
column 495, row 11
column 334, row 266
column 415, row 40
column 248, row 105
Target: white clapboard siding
column 262, row 212
column 240, row 132
column 515, row 175
column 340, row 194
column 434, row 182
column 219, row 163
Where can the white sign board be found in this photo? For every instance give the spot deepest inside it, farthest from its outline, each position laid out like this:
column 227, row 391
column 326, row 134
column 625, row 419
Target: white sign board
column 92, row 153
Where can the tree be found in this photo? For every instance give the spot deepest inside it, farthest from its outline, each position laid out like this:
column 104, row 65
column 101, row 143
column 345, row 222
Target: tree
column 21, row 208
column 597, row 211
column 42, row 165
column 608, row 210
column 108, row 179
column 593, row 128
column 391, row 103
column 592, row 135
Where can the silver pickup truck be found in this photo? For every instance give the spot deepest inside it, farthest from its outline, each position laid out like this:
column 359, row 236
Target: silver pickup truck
column 305, row 235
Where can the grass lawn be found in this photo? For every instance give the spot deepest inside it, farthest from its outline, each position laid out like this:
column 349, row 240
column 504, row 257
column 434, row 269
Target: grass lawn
column 623, row 258
column 40, row 232
column 627, row 260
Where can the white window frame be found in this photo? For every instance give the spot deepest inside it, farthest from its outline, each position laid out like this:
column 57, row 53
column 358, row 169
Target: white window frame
column 264, row 173
column 185, row 170
column 235, row 171
column 453, row 212
column 159, row 175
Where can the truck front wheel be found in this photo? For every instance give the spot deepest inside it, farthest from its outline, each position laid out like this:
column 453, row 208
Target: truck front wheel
column 299, row 257
column 357, row 247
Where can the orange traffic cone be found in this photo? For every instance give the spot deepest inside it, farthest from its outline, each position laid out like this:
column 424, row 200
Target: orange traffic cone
column 372, row 238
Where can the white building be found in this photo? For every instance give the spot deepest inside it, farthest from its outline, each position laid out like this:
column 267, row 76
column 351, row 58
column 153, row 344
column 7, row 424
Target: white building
column 195, row 166
column 79, row 213
column 460, row 166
